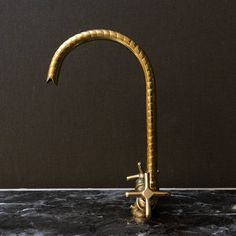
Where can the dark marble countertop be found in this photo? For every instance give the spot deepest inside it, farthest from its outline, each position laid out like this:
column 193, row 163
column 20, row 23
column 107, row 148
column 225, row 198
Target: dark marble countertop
column 107, row 213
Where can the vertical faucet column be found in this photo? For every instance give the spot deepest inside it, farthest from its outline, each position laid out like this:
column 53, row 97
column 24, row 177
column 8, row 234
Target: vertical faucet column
column 146, row 183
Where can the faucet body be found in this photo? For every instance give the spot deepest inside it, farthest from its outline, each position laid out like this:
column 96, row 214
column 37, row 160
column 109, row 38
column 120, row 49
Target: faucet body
column 146, row 184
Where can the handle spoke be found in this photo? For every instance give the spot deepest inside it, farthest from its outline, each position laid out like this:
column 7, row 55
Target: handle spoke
column 147, row 208
column 132, row 194
column 160, row 194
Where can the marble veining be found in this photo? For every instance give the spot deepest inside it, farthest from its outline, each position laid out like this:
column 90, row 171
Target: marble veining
column 107, row 213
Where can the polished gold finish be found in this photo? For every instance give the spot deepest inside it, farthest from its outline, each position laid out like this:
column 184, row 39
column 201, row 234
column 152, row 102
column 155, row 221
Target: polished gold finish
column 148, row 179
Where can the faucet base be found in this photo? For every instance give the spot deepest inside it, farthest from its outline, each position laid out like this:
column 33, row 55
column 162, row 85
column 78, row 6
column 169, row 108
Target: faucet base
column 144, row 194
column 139, row 212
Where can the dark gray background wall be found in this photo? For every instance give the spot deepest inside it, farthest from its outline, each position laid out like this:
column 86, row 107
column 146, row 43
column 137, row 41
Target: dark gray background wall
column 90, row 131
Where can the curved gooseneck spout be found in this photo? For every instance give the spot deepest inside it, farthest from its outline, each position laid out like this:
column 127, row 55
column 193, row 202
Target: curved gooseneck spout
column 81, row 38
column 150, row 177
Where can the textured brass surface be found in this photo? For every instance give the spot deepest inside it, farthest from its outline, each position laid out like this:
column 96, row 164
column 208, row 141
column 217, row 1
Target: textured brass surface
column 101, row 34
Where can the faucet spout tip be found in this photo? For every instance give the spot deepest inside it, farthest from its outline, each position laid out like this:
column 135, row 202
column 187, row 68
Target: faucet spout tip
column 53, row 73
column 49, row 79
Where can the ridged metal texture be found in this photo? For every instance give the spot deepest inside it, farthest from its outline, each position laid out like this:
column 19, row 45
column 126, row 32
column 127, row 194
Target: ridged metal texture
column 102, row 34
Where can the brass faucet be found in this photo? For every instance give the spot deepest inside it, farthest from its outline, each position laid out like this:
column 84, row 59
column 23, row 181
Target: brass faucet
column 146, row 184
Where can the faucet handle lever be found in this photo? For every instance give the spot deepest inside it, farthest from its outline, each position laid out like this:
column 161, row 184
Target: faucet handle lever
column 133, row 177
column 140, row 175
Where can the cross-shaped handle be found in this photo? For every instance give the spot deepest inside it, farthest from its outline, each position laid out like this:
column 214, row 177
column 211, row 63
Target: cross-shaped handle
column 147, row 194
